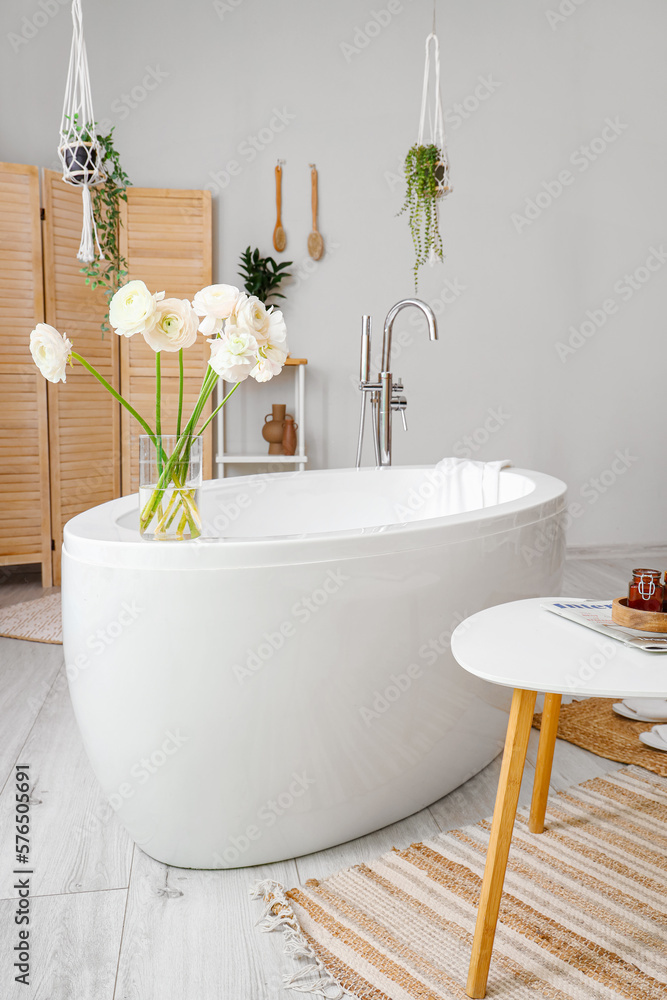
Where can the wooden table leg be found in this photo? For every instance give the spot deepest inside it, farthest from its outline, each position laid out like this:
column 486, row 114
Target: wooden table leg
column 545, row 757
column 514, row 758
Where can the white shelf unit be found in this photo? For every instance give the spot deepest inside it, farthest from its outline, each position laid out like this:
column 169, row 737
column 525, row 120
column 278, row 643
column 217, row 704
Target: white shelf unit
column 300, row 458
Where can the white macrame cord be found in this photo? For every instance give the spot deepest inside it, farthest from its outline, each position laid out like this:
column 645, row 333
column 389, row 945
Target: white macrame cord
column 431, row 115
column 79, row 149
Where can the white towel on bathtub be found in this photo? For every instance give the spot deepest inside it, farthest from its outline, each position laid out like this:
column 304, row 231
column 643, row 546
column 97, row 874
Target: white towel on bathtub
column 453, row 486
column 461, row 485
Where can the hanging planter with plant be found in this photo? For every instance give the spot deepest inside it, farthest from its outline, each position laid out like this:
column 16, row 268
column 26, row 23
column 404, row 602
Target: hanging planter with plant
column 79, row 148
column 427, row 172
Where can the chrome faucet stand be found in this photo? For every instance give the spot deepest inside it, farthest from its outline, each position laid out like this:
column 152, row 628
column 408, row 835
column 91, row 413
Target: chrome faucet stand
column 386, row 396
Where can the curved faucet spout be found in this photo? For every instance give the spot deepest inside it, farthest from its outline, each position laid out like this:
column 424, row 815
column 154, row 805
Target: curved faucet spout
column 389, row 325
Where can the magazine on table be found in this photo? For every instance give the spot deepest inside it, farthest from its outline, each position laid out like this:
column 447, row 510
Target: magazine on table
column 597, row 615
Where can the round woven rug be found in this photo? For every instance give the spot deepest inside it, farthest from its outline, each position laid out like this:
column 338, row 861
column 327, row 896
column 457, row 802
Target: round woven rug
column 39, row 620
column 593, row 725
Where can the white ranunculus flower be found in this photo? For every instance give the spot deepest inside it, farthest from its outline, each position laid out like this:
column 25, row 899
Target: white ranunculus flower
column 234, row 355
column 277, row 333
column 251, row 315
column 215, row 303
column 133, row 309
column 270, row 361
column 50, row 352
column 210, row 326
column 175, row 326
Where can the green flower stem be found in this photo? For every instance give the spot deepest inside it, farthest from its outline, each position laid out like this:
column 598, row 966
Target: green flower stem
column 218, row 408
column 180, row 393
column 116, row 395
column 168, row 472
column 158, row 405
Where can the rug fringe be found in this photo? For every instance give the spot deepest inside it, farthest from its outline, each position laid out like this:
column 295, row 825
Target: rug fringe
column 278, row 915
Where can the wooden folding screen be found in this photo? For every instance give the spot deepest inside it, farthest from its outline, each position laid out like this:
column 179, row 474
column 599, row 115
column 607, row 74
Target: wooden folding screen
column 166, row 240
column 84, row 419
column 63, row 447
column 25, row 533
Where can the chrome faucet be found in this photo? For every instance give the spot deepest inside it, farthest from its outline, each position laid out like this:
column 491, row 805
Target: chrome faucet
column 385, row 394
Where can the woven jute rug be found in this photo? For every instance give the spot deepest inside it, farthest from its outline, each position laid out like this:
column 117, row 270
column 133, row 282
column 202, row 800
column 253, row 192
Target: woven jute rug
column 593, row 725
column 583, row 916
column 38, row 620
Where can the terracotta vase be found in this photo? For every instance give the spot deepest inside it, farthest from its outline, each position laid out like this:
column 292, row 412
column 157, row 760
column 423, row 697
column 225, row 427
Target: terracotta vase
column 289, row 435
column 272, row 431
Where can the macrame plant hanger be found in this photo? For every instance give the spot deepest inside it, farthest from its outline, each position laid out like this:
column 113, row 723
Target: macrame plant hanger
column 431, row 118
column 79, row 149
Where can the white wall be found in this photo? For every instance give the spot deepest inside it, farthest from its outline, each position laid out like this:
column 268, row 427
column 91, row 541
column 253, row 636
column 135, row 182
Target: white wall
column 225, row 67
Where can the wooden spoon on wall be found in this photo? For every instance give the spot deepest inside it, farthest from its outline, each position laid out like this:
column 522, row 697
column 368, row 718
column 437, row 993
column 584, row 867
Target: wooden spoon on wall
column 315, row 241
column 279, row 238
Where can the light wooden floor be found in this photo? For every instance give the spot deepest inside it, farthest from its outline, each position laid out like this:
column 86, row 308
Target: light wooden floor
column 111, row 924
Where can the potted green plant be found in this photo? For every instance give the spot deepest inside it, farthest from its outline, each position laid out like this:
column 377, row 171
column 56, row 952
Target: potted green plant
column 261, row 275
column 79, row 151
column 427, row 180
column 110, row 272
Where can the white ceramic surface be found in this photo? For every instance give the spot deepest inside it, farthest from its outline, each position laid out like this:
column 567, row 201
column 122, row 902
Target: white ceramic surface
column 521, row 645
column 286, row 683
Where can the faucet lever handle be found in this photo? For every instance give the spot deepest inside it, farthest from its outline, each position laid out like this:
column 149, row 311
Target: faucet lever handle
column 405, row 420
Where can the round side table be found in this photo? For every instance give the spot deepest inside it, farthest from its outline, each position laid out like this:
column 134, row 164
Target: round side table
column 523, row 646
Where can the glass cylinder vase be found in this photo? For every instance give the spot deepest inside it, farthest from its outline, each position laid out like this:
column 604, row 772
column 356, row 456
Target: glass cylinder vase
column 170, row 476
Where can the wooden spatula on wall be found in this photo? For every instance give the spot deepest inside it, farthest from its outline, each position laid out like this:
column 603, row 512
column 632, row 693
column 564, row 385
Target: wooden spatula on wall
column 315, row 241
column 279, row 238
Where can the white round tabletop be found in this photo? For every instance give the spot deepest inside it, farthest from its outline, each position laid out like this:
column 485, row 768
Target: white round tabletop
column 521, row 645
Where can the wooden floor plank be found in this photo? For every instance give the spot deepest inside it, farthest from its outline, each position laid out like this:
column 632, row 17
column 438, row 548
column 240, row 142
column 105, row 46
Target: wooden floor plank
column 78, row 844
column 74, row 942
column 191, row 934
column 27, row 673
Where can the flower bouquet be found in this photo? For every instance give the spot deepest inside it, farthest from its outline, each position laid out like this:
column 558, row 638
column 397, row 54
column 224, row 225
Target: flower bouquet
column 246, row 338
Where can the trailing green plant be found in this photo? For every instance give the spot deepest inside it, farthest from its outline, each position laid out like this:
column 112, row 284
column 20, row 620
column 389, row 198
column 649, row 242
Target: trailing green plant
column 261, row 275
column 421, row 164
column 111, row 272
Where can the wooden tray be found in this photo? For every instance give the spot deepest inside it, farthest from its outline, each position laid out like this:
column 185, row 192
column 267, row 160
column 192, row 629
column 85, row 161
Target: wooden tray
column 643, row 621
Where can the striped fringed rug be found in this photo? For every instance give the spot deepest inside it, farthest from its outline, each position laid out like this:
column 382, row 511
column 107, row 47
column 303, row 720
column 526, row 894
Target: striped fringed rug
column 39, row 620
column 583, row 917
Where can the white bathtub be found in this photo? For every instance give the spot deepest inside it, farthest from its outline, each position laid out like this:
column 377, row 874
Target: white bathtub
column 286, row 684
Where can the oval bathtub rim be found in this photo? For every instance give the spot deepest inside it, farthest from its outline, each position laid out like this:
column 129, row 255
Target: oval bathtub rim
column 545, row 500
